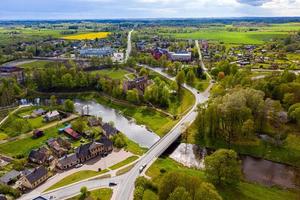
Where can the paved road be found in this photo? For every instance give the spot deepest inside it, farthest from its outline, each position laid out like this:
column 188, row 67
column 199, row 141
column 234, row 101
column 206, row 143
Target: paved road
column 201, row 60
column 129, row 46
column 73, row 190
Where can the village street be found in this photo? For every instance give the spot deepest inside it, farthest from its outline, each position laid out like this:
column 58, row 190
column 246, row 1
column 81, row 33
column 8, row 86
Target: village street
column 92, row 165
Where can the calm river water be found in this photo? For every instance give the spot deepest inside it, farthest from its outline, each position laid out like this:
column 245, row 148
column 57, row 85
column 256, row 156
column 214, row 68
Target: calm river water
column 137, row 133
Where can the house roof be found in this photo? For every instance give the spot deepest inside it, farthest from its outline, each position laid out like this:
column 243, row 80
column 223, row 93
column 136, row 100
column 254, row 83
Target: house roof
column 6, row 178
column 68, row 159
column 39, row 111
column 85, row 149
column 37, row 174
column 105, row 141
column 38, row 155
column 52, row 114
column 109, row 129
column 72, row 133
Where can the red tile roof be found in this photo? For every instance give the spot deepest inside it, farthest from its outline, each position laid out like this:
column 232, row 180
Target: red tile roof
column 72, row 133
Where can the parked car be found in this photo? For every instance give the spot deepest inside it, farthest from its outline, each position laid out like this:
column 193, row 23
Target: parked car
column 78, row 165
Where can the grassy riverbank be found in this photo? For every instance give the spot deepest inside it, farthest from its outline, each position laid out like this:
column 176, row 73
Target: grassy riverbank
column 245, row 190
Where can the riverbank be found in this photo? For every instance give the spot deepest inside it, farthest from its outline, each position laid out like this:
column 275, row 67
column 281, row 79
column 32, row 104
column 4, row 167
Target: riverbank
column 158, row 122
column 245, row 190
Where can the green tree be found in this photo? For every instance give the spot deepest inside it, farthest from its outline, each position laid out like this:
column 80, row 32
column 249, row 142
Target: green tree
column 190, row 77
column 180, row 193
column 67, row 81
column 223, row 167
column 119, row 141
column 207, row 191
column 69, row 106
column 79, row 125
column 84, row 193
column 133, row 96
column 143, row 72
column 180, row 79
column 53, row 101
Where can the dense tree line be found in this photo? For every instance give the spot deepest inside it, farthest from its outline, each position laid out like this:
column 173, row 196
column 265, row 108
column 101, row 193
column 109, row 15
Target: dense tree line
column 239, row 115
column 9, row 91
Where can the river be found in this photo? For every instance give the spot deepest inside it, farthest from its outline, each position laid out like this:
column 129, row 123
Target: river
column 256, row 170
column 137, row 133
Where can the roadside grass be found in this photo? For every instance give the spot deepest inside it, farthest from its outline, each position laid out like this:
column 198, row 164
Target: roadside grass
column 181, row 105
column 112, row 73
column 124, row 170
column 201, row 85
column 99, row 194
column 73, row 178
column 245, row 190
column 25, row 145
column 87, row 36
column 124, row 162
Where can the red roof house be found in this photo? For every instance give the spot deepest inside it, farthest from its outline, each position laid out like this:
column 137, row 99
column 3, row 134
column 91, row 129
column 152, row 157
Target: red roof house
column 72, row 133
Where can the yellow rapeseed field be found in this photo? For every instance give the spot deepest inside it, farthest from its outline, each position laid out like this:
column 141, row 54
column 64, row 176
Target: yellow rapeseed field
column 87, row 36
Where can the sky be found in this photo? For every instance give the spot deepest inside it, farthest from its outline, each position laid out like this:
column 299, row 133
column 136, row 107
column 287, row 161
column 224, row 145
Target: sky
column 111, row 9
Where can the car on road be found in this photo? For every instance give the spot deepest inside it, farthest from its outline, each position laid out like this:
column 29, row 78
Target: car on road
column 142, row 168
column 78, row 165
column 111, row 184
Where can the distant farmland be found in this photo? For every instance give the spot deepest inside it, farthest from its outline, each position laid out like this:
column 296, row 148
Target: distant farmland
column 243, row 36
column 87, row 36
column 233, row 37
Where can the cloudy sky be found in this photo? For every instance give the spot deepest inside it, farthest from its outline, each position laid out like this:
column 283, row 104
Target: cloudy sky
column 104, row 9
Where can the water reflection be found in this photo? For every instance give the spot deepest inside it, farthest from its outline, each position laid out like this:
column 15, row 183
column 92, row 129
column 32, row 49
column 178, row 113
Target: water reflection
column 137, row 133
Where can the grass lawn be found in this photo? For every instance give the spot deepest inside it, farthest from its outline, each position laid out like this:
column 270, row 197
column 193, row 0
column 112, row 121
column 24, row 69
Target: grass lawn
column 124, row 162
column 100, row 194
column 39, row 64
column 73, row 178
column 10, row 127
column 23, row 146
column 112, row 73
column 251, row 191
column 245, row 191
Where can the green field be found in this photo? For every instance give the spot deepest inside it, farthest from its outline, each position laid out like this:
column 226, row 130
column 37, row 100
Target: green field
column 230, row 34
column 112, row 73
column 39, row 64
column 100, row 194
column 73, row 178
column 124, row 162
column 25, row 145
column 253, row 37
column 245, row 191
